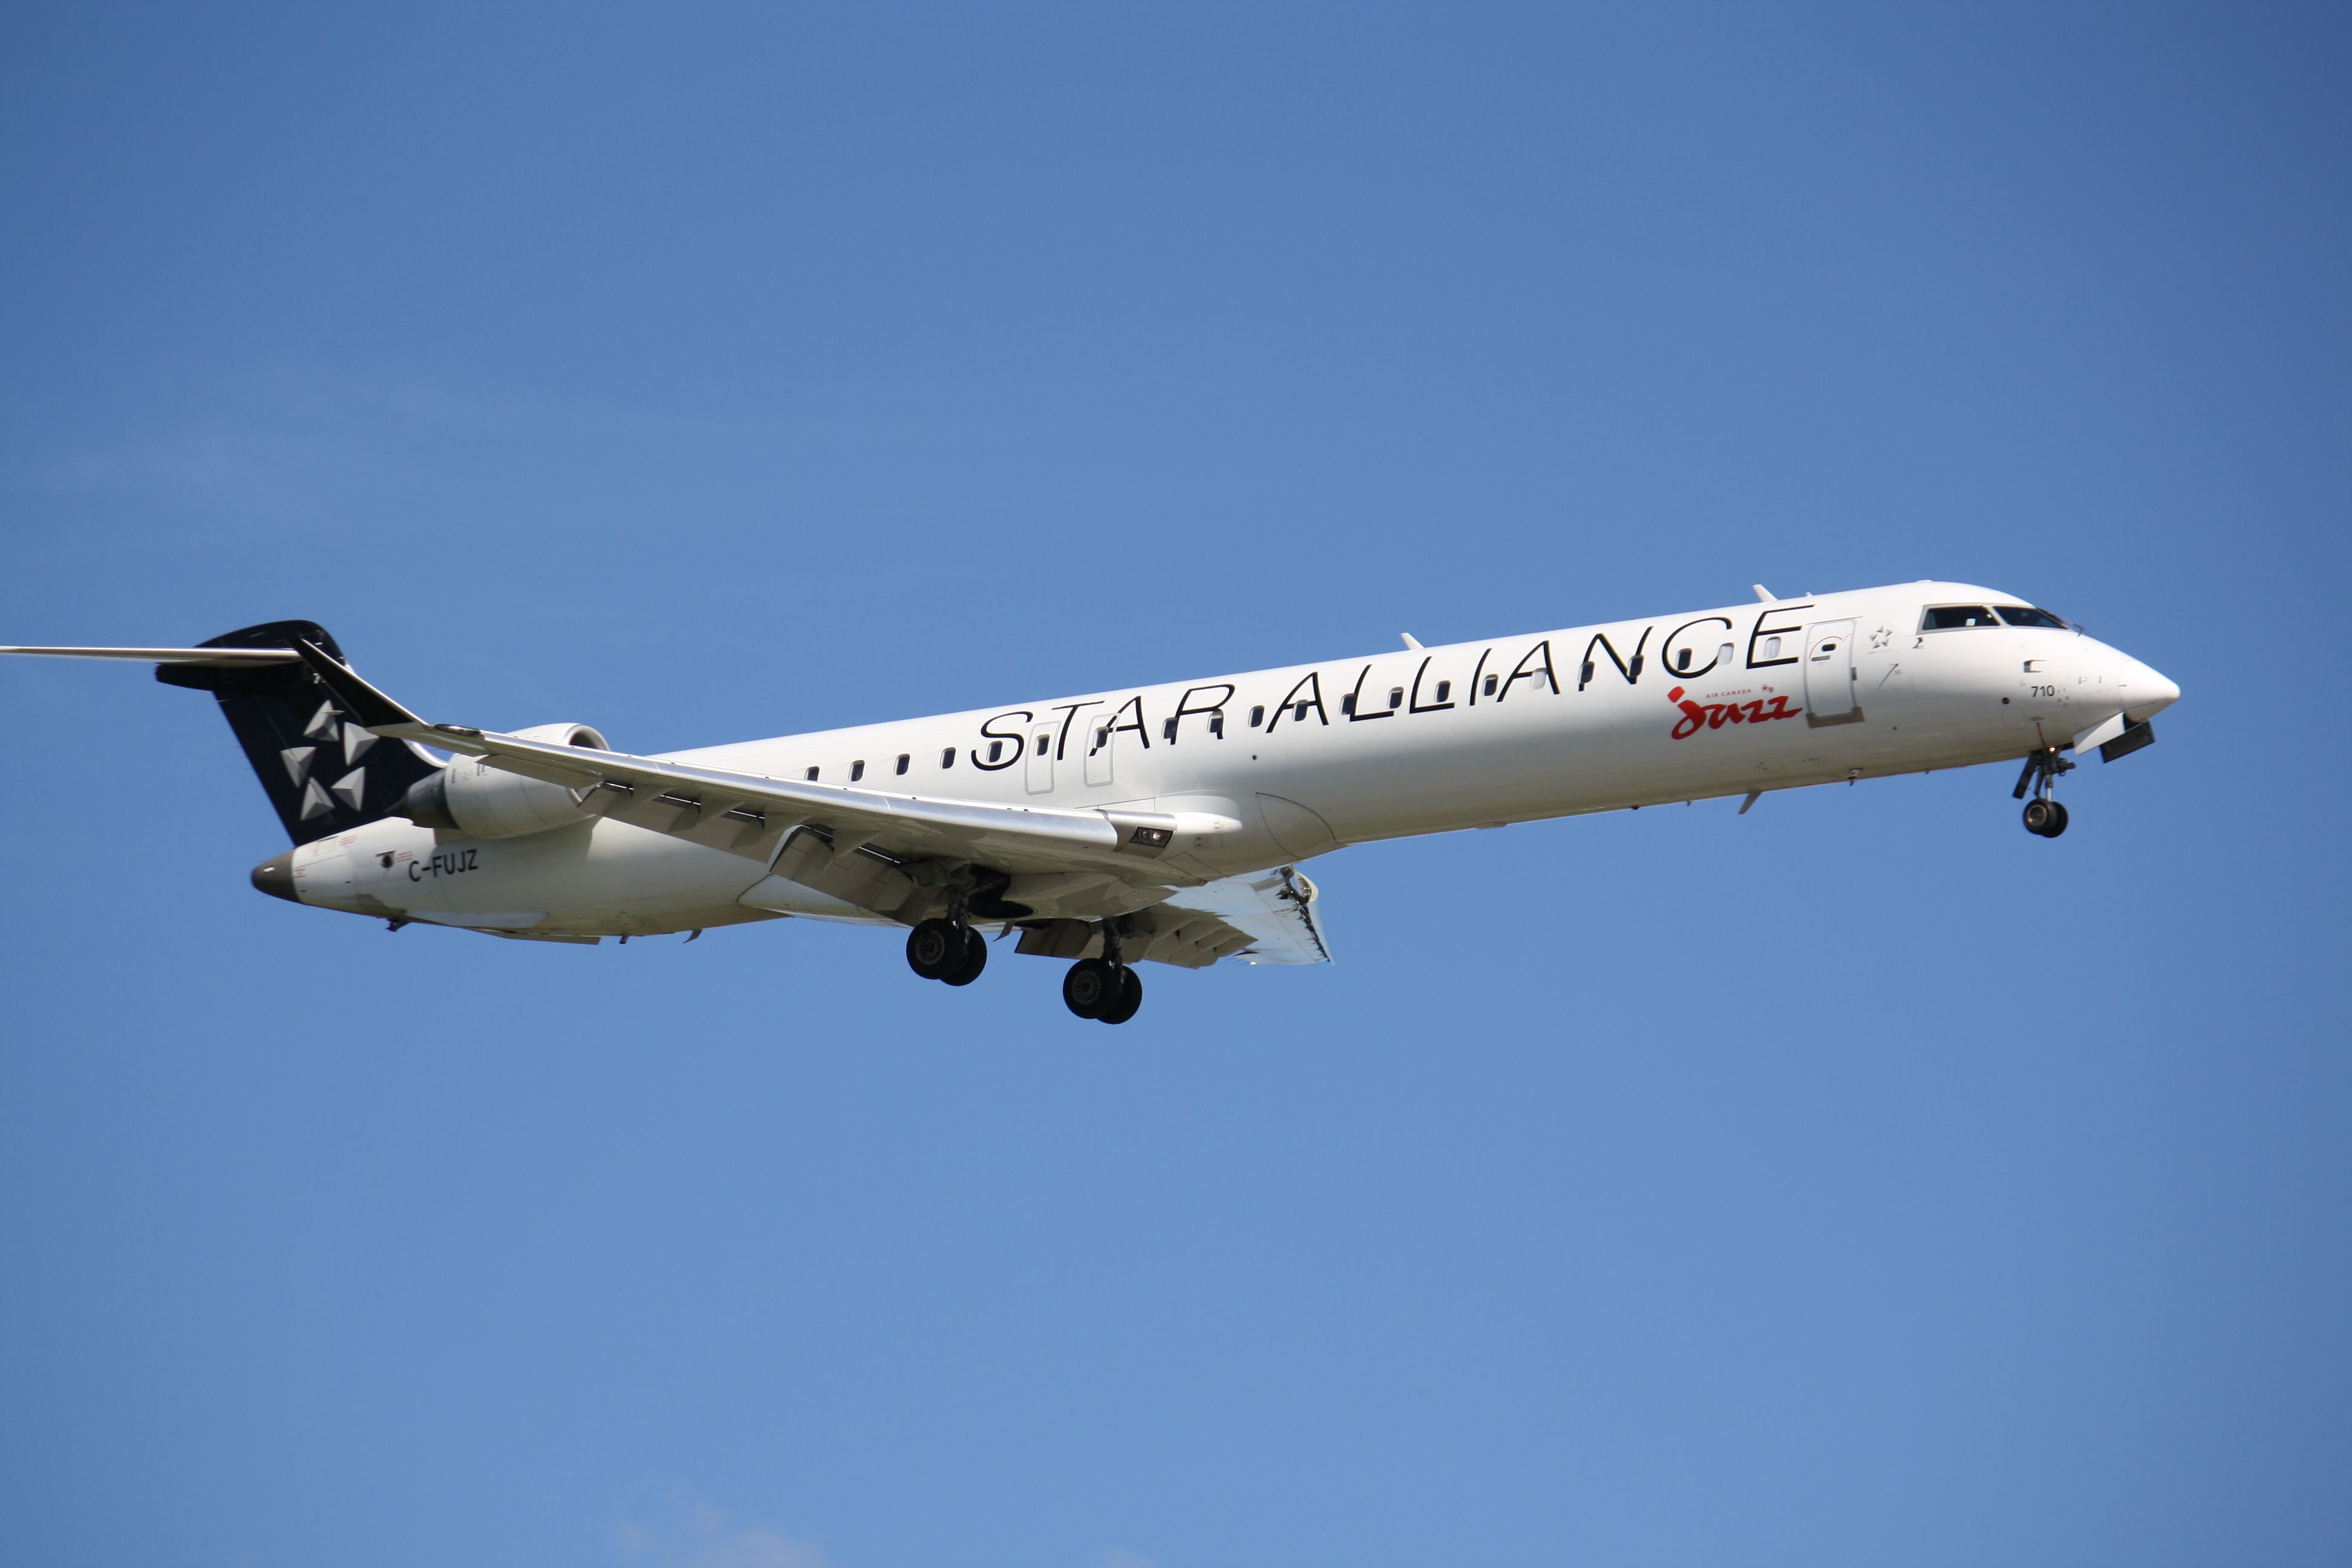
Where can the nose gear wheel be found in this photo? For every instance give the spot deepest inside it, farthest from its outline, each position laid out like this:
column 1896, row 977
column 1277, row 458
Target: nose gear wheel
column 2044, row 814
column 2046, row 818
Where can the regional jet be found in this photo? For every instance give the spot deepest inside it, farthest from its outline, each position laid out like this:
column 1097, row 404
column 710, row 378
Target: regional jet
column 1164, row 822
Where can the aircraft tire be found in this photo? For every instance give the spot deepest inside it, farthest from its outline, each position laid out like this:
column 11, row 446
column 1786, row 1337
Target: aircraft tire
column 2057, row 820
column 1130, row 997
column 2039, row 814
column 975, row 959
column 1089, row 986
column 935, row 949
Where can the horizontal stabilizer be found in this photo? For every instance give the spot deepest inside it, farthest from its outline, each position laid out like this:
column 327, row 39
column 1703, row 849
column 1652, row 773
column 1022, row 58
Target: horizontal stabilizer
column 367, row 707
column 217, row 658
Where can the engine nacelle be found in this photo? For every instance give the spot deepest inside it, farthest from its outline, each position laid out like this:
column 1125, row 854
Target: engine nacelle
column 471, row 796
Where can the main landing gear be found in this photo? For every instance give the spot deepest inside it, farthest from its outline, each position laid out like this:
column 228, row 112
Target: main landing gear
column 1104, row 989
column 1105, row 992
column 2044, row 814
column 947, row 951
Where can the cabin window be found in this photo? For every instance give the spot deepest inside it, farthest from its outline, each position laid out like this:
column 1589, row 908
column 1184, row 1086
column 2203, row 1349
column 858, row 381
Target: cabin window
column 857, row 769
column 1956, row 617
column 1299, row 716
column 995, row 750
column 904, row 758
column 1444, row 690
column 1168, row 728
column 1771, row 647
column 1347, row 705
column 1396, row 698
column 1723, row 654
column 1257, row 715
column 812, row 775
column 1217, row 722
column 947, row 758
column 1490, row 686
column 1102, row 738
column 2026, row 616
column 1044, row 742
column 1682, row 660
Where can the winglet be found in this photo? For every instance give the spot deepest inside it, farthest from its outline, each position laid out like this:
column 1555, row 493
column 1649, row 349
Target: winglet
column 1762, row 592
column 367, row 707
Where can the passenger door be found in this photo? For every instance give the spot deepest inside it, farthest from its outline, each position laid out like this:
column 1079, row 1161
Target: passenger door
column 1829, row 673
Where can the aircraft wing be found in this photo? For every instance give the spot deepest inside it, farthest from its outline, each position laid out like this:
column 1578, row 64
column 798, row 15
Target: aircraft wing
column 1265, row 919
column 717, row 807
column 747, row 814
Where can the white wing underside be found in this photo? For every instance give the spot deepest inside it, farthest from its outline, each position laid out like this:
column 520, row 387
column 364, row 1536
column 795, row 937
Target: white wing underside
column 1276, row 911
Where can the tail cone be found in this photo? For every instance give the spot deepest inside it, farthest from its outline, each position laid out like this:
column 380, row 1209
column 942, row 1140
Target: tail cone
column 275, row 877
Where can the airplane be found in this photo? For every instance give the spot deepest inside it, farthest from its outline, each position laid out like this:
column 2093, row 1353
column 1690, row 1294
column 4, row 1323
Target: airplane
column 1163, row 823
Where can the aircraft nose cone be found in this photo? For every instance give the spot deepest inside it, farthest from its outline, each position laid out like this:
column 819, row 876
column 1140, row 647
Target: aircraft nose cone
column 2146, row 693
column 275, row 877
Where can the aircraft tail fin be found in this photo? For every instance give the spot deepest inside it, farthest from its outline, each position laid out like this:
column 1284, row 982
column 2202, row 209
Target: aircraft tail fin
column 323, row 773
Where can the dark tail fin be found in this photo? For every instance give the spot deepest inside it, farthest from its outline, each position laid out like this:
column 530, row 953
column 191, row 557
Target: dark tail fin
column 323, row 773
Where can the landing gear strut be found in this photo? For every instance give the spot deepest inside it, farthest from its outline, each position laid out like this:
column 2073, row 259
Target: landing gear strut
column 2044, row 814
column 1103, row 989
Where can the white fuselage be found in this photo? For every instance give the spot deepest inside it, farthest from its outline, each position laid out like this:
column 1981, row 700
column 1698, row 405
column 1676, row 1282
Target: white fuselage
column 1293, row 762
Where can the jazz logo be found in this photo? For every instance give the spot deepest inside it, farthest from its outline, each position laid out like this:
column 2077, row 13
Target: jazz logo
column 1698, row 716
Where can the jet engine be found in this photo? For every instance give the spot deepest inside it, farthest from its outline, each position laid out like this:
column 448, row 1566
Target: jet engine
column 471, row 796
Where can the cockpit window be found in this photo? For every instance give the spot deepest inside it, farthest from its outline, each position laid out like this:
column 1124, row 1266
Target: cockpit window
column 1952, row 618
column 2026, row 616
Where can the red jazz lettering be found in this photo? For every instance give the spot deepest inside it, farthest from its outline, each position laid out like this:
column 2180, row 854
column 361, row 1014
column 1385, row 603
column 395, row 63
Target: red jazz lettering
column 1698, row 716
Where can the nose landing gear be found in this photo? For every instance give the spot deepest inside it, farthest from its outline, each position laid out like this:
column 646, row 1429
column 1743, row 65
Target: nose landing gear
column 2044, row 814
column 2046, row 818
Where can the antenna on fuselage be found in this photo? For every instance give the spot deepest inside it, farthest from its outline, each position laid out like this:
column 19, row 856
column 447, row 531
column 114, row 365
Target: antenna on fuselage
column 1762, row 592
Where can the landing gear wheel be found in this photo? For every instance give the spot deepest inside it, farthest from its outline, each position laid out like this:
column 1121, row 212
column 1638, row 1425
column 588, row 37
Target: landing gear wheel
column 2044, row 814
column 975, row 959
column 1130, row 997
column 935, row 949
column 1089, row 987
column 2044, row 817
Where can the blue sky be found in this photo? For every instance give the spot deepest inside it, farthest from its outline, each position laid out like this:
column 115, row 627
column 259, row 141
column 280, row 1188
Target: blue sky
column 1861, row 1180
